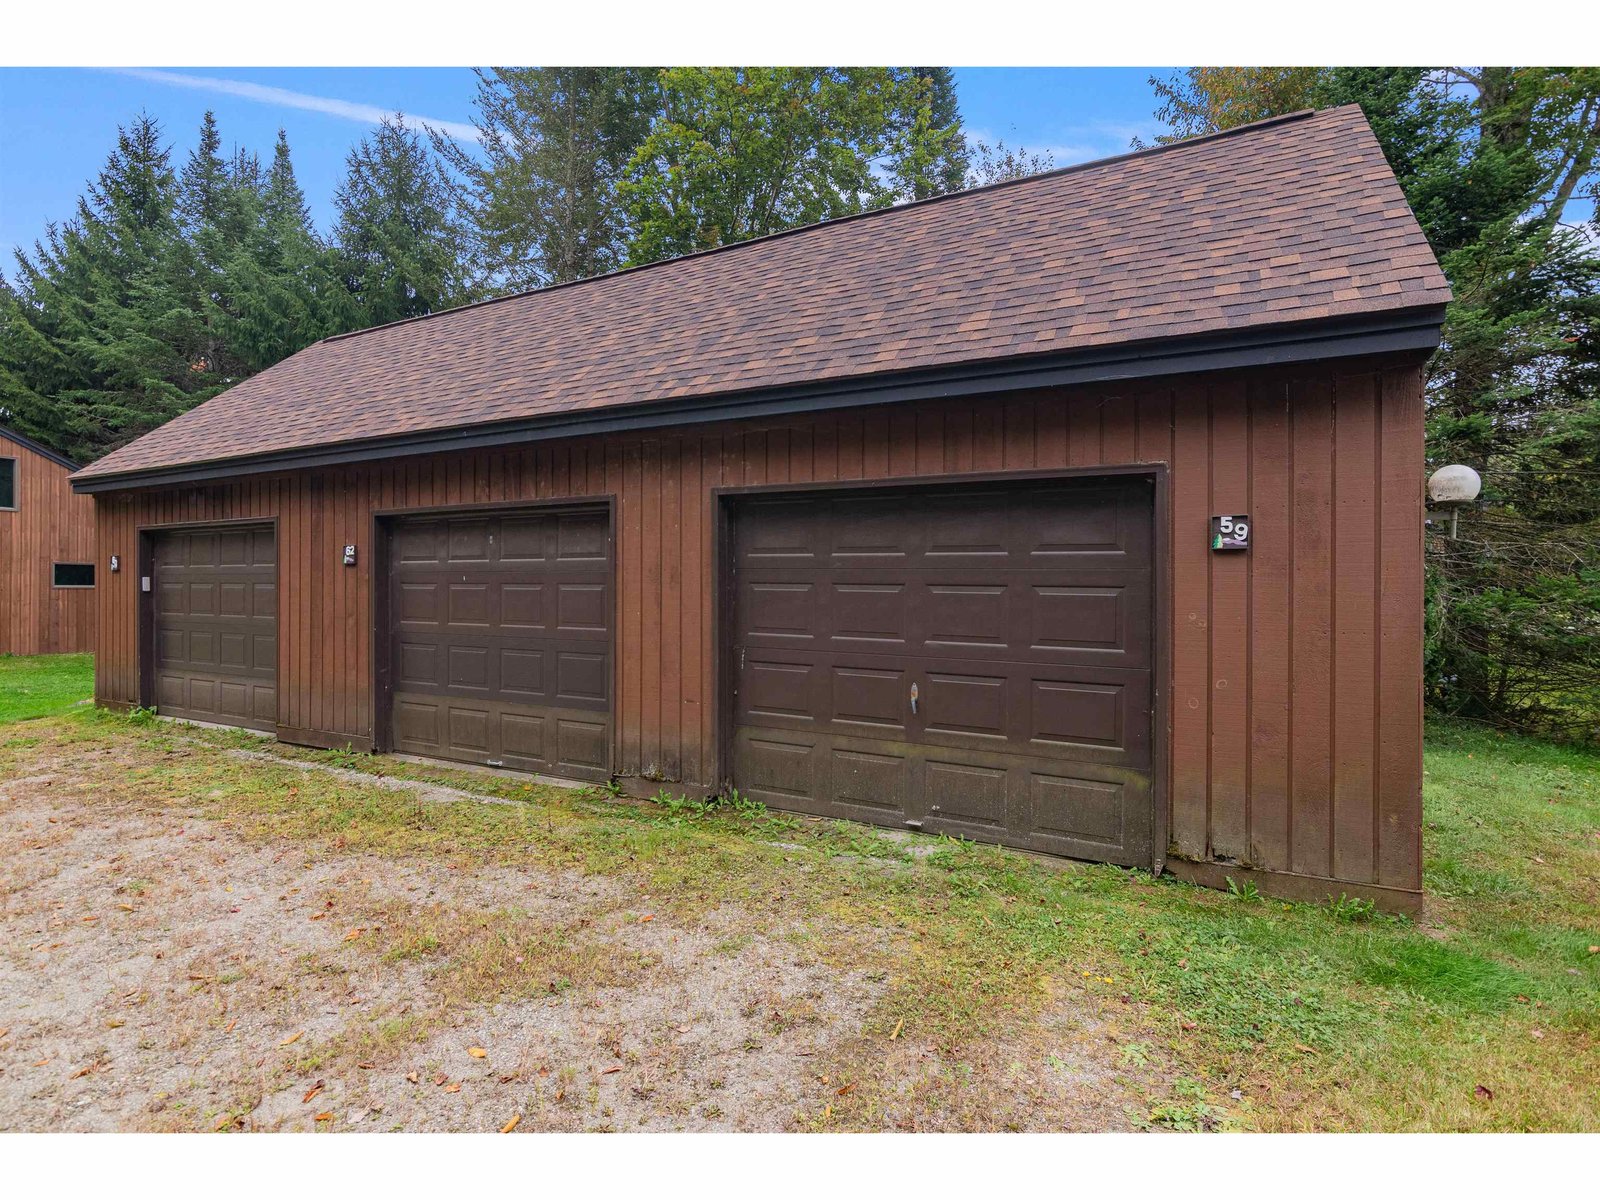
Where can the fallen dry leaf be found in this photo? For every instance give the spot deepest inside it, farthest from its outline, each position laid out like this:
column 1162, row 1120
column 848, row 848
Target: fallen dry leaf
column 41, row 1062
column 452, row 1088
column 511, row 1124
column 898, row 1026
column 647, row 917
column 115, row 1023
column 610, row 1070
column 313, row 1093
column 1537, row 1034
column 292, row 1039
column 231, row 1024
column 324, row 1116
column 223, row 1121
column 1482, row 1093
column 125, row 907
column 477, row 1052
column 412, row 1077
column 1303, row 1048
column 845, row 1090
column 353, row 934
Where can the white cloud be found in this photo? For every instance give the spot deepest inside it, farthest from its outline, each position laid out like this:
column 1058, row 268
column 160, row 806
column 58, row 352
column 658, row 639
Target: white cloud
column 1076, row 143
column 367, row 114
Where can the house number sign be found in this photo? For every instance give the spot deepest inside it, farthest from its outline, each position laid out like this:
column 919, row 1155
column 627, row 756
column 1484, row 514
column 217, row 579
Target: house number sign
column 1230, row 533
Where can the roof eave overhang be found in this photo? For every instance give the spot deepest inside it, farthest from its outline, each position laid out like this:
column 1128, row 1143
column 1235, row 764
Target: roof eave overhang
column 1412, row 329
column 39, row 448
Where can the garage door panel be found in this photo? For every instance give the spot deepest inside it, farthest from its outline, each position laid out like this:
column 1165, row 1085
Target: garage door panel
column 585, row 745
column 1083, row 810
column 780, row 611
column 522, row 606
column 467, row 541
column 875, row 613
column 468, row 604
column 1022, row 616
column 468, row 667
column 968, row 793
column 215, row 636
column 1089, row 616
column 868, row 696
column 582, row 678
column 583, row 538
column 779, row 770
column 501, row 626
column 582, row 607
column 959, row 616
column 522, row 672
column 869, row 780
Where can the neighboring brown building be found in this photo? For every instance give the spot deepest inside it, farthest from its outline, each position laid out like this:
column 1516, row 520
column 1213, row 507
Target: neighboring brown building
column 47, row 565
column 926, row 518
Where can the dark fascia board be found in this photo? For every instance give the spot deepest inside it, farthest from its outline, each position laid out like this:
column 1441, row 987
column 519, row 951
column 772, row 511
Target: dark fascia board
column 39, row 448
column 1415, row 329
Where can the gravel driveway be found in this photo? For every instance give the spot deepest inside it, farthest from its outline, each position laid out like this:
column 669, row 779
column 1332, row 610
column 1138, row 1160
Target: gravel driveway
column 165, row 967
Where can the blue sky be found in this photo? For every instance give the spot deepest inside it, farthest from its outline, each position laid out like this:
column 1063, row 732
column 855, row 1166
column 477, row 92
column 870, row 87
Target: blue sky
column 56, row 125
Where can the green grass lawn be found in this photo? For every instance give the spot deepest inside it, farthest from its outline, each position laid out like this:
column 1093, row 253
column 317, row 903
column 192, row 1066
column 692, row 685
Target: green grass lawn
column 1484, row 1014
column 42, row 685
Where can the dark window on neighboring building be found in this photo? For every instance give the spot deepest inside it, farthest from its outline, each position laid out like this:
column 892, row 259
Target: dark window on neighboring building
column 8, row 483
column 74, row 575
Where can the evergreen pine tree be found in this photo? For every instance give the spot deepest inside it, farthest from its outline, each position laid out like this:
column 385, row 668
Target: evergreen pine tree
column 932, row 155
column 99, row 323
column 540, row 193
column 398, row 235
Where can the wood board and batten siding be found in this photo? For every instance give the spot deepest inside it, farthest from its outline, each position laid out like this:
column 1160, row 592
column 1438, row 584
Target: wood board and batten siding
column 47, row 525
column 1295, row 701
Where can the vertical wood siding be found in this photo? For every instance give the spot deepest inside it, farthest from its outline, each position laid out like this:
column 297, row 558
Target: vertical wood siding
column 1295, row 694
column 50, row 525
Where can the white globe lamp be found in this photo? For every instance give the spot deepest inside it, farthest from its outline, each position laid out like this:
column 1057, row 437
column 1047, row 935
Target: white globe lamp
column 1453, row 487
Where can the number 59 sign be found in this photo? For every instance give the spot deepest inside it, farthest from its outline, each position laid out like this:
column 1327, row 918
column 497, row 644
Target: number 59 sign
column 1230, row 533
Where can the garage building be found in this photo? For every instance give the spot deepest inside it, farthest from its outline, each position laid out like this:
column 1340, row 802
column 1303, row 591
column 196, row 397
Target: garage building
column 1081, row 513
column 47, row 569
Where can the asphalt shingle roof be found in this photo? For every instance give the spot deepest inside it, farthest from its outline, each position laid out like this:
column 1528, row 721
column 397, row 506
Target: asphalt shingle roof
column 1290, row 220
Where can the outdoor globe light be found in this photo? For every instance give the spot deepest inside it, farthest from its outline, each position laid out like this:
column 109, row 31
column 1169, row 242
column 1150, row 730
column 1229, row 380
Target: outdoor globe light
column 1454, row 484
column 1452, row 487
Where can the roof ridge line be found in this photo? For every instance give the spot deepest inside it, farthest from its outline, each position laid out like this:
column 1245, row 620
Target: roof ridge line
column 1069, row 169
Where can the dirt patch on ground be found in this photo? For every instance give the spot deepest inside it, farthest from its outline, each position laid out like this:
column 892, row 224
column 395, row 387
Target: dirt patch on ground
column 159, row 971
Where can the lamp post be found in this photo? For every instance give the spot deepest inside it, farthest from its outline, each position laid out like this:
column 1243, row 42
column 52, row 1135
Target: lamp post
column 1454, row 487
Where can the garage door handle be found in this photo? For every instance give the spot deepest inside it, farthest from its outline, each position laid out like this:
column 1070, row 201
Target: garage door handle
column 913, row 699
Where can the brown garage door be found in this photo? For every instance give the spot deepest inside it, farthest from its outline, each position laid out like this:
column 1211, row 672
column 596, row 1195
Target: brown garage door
column 970, row 660
column 216, row 625
column 500, row 639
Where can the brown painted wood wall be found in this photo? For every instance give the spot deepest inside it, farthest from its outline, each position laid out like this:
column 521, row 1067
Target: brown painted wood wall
column 50, row 525
column 1295, row 702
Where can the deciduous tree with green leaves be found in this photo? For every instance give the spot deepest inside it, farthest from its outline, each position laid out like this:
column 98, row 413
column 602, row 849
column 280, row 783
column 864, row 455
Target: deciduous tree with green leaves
column 740, row 152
